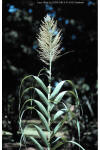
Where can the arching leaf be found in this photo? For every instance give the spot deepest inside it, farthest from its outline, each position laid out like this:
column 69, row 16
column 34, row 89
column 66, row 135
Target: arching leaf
column 26, row 90
column 42, row 108
column 78, row 128
column 57, row 145
column 57, row 89
column 37, row 144
column 59, row 125
column 59, row 97
column 57, row 139
column 58, row 114
column 42, row 135
column 40, row 82
column 44, row 121
column 42, row 96
column 73, row 142
column 28, row 100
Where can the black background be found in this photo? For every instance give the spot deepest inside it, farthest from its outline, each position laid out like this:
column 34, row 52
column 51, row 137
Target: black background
column 20, row 58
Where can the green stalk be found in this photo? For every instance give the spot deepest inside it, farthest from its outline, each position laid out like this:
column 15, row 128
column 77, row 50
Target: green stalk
column 49, row 92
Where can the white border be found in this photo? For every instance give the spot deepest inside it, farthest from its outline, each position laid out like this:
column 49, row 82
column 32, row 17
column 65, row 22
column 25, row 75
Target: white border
column 98, row 74
column 1, row 75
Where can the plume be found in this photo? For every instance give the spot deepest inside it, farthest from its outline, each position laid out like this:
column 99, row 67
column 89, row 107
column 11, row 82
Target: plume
column 49, row 40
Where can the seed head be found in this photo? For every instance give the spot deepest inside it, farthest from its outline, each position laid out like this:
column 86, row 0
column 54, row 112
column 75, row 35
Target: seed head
column 49, row 40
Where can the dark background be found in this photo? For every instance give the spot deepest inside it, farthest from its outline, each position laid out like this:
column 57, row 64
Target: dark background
column 21, row 22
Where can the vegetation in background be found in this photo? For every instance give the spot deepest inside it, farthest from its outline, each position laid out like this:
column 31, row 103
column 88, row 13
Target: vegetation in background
column 21, row 22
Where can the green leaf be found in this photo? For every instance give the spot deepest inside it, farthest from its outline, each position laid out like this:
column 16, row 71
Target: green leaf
column 42, row 135
column 45, row 72
column 42, row 85
column 26, row 77
column 65, row 141
column 38, row 80
column 42, row 108
column 57, row 145
column 36, row 143
column 57, row 139
column 21, row 116
column 44, row 121
column 65, row 106
column 59, row 97
column 76, row 95
column 26, row 90
column 58, row 114
column 22, row 139
column 78, row 128
column 57, row 89
column 42, row 96
column 51, row 106
column 60, row 124
column 70, row 82
column 73, row 93
column 43, row 69
column 73, row 142
column 29, row 100
column 77, row 98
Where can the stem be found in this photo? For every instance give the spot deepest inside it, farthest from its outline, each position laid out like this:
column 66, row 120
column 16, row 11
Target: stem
column 49, row 92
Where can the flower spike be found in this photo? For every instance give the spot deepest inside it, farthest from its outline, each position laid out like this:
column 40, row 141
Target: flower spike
column 49, row 40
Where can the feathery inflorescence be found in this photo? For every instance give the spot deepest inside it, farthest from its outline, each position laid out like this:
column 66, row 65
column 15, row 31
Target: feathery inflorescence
column 49, row 39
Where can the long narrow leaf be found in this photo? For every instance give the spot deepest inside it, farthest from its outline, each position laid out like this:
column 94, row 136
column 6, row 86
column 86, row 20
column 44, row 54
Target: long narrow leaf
column 51, row 106
column 57, row 89
column 44, row 121
column 59, row 97
column 42, row 108
column 37, row 144
column 26, row 90
column 22, row 139
column 78, row 128
column 60, row 124
column 26, row 77
column 22, row 114
column 73, row 142
column 44, row 73
column 73, row 86
column 57, row 145
column 42, row 85
column 57, row 139
column 43, row 69
column 58, row 114
column 42, row 135
column 29, row 100
column 70, row 82
column 42, row 96
column 77, row 98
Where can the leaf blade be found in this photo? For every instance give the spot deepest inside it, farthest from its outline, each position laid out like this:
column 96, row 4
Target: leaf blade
column 73, row 142
column 57, row 145
column 59, row 97
column 57, row 89
column 44, row 121
column 59, row 125
column 42, row 108
column 78, row 128
column 42, row 135
column 58, row 114
column 42, row 96
column 42, row 85
column 36, row 143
